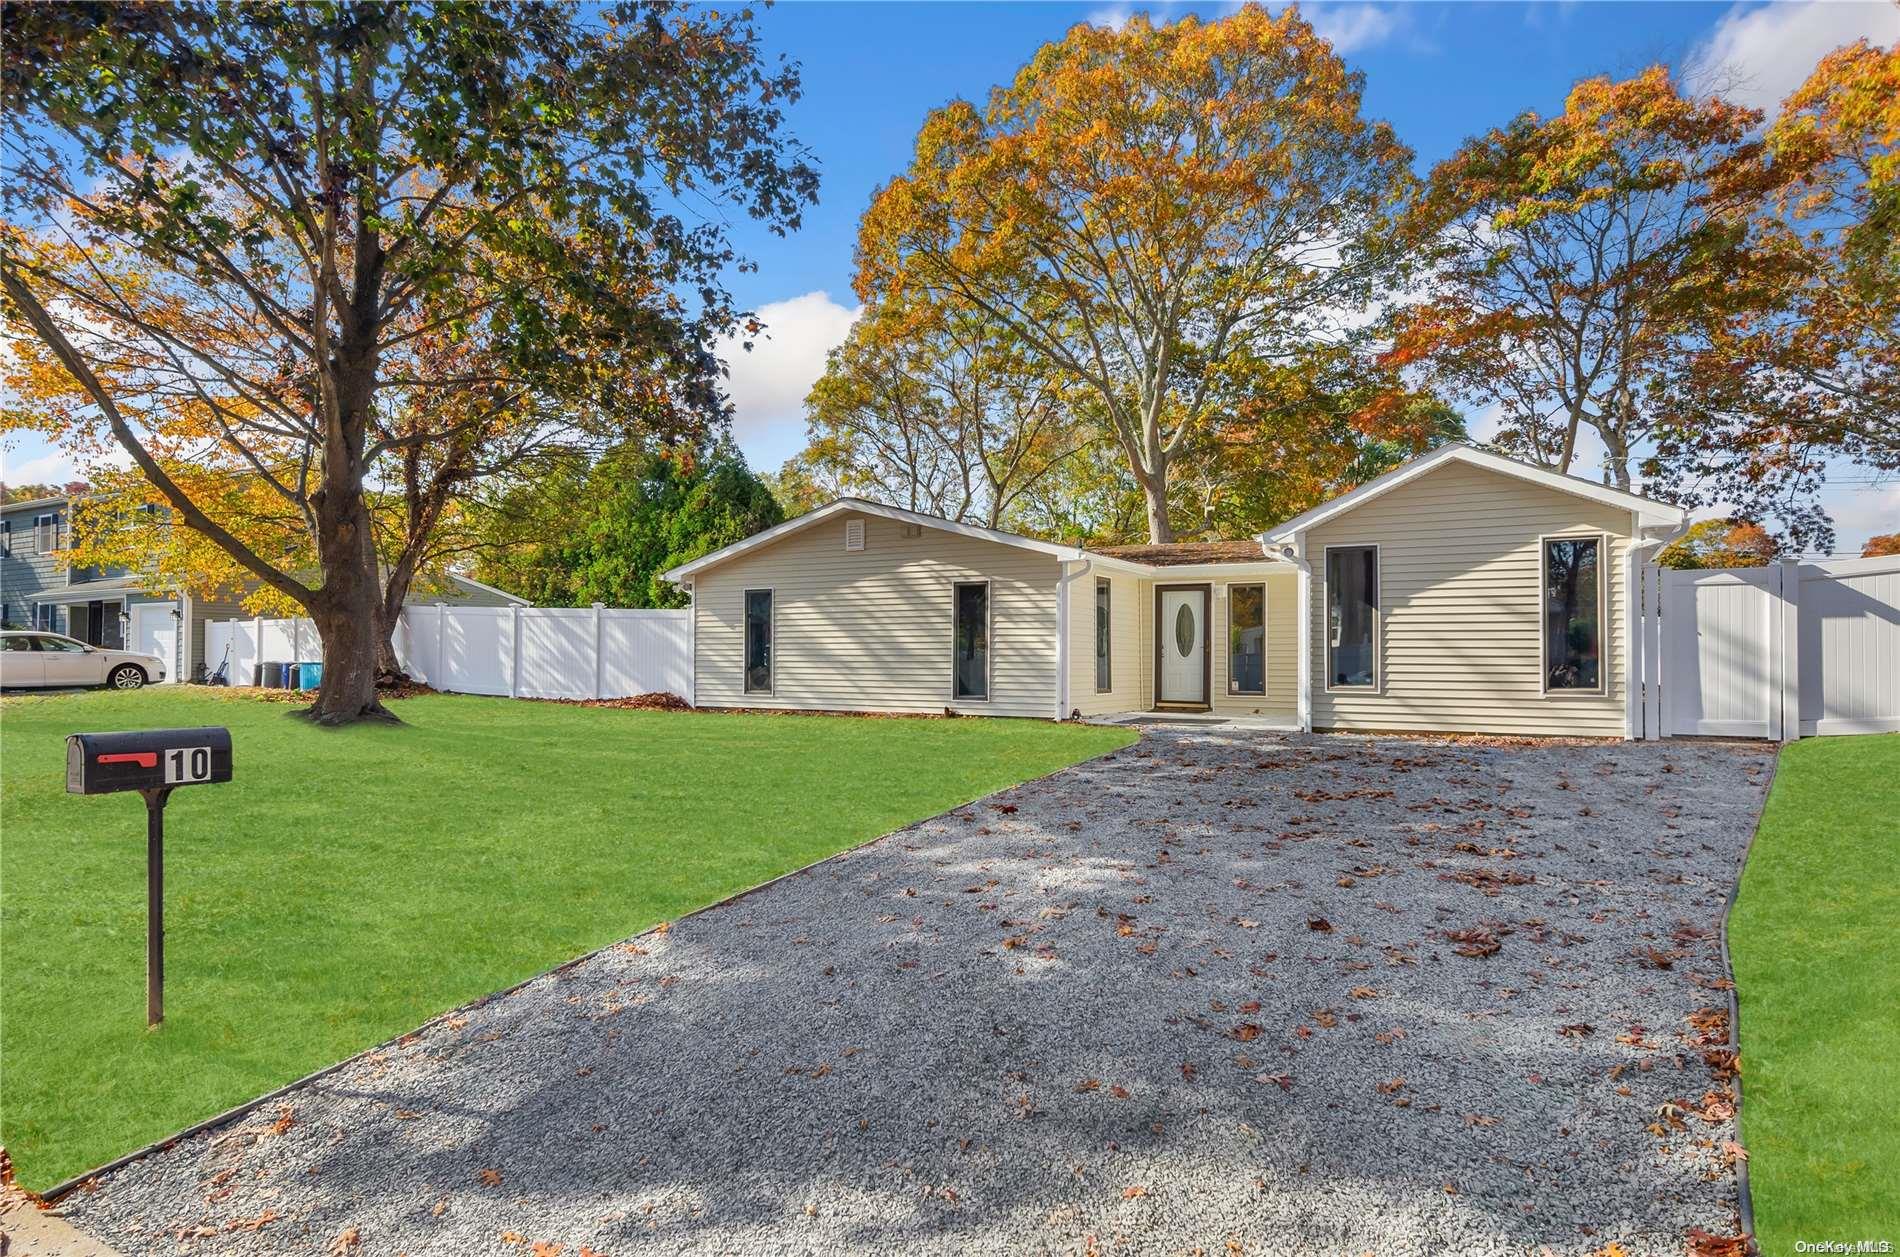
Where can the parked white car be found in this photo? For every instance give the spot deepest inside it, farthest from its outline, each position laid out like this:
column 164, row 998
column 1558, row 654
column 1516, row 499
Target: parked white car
column 43, row 659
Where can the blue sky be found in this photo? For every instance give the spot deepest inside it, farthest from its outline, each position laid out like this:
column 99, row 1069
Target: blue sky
column 1438, row 72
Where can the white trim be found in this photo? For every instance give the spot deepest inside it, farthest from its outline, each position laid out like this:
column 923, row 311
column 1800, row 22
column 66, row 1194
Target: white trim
column 513, row 599
column 1266, row 663
column 1095, row 659
column 1377, row 688
column 1650, row 513
column 1602, row 687
column 771, row 643
column 989, row 645
column 859, row 505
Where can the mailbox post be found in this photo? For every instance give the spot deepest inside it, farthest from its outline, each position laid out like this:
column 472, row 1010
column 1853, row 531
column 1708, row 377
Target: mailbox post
column 153, row 762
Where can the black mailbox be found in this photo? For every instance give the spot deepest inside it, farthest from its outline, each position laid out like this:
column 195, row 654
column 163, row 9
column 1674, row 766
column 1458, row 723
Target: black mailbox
column 152, row 759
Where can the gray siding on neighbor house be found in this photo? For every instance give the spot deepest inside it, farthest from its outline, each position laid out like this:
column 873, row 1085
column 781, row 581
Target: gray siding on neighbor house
column 1459, row 644
column 871, row 630
column 25, row 566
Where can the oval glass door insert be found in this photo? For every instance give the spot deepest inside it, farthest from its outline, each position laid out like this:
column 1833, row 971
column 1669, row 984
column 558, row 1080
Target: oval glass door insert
column 1184, row 630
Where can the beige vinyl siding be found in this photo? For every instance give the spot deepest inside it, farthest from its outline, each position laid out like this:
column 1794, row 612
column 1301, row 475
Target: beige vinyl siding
column 1130, row 597
column 1283, row 648
column 871, row 630
column 1459, row 595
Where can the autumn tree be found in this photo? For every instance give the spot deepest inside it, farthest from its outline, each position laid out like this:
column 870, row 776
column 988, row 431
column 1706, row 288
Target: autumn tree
column 1880, row 545
column 935, row 409
column 234, row 228
column 1149, row 212
column 1812, row 374
column 1572, row 263
column 1714, row 543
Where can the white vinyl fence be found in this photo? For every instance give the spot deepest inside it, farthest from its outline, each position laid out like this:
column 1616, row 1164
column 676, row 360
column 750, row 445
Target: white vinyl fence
column 1786, row 651
column 521, row 652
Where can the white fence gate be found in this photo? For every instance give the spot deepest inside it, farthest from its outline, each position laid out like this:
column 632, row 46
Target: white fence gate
column 521, row 652
column 1786, row 651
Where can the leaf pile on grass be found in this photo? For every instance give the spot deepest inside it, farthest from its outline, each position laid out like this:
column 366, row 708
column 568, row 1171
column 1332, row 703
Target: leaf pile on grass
column 657, row 700
column 269, row 694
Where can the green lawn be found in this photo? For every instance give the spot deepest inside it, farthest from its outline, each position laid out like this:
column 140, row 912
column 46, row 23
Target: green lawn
column 348, row 885
column 1817, row 967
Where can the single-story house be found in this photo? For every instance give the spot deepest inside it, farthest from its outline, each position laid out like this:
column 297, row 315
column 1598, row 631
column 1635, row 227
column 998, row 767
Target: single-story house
column 1460, row 592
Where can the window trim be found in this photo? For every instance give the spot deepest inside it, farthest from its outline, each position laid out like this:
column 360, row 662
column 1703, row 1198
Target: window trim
column 6, row 536
column 1105, row 656
column 1602, row 686
column 1377, row 688
column 771, row 628
column 989, row 640
column 1265, row 646
column 51, row 519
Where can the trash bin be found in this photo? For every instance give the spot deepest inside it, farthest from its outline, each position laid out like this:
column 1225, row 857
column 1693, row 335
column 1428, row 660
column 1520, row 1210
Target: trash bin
column 273, row 674
column 257, row 674
column 309, row 675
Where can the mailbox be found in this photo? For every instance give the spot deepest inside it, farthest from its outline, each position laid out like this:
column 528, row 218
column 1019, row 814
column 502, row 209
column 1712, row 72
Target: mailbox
column 154, row 763
column 153, row 759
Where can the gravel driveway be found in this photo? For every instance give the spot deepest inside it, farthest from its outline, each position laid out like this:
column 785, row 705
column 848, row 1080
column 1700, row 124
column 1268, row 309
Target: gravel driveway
column 1231, row 991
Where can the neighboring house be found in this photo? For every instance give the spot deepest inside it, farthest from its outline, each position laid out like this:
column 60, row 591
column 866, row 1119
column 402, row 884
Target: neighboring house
column 1461, row 592
column 102, row 606
column 112, row 607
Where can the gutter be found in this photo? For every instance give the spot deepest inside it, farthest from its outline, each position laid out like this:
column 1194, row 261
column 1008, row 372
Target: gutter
column 1062, row 627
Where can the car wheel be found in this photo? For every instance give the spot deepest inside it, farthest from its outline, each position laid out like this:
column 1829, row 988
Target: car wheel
column 127, row 676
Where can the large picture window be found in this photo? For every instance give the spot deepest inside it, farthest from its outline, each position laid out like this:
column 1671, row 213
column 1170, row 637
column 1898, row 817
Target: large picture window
column 1352, row 617
column 972, row 641
column 1247, row 639
column 1573, row 613
column 1104, row 680
column 758, row 641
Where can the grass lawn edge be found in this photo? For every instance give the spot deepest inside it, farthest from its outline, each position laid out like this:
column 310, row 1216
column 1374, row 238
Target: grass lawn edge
column 1744, row 1197
column 53, row 1194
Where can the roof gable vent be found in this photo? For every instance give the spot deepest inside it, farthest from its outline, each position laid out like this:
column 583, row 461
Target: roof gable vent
column 854, row 535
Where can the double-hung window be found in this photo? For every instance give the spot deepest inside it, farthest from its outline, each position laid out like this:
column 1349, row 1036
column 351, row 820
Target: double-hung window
column 1247, row 639
column 1104, row 678
column 46, row 533
column 972, row 635
column 758, row 641
column 1573, row 614
column 1352, row 617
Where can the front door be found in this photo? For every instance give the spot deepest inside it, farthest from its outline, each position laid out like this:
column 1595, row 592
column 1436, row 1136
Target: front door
column 1181, row 644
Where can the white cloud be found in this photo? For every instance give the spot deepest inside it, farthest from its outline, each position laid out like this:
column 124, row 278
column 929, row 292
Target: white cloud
column 1860, row 512
column 1756, row 56
column 51, row 468
column 1113, row 18
column 1350, row 27
column 768, row 384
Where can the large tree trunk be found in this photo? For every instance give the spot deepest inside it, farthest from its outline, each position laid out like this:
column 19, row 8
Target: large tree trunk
column 349, row 613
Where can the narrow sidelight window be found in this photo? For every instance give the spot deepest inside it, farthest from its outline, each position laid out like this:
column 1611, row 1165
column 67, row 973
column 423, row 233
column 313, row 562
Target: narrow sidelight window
column 972, row 641
column 1573, row 613
column 1352, row 617
column 1247, row 639
column 758, row 641
column 1104, row 681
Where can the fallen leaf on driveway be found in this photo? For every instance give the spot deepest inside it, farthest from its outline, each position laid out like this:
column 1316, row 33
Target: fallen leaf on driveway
column 1577, row 1030
column 1129, row 1193
column 1283, row 1081
column 346, row 1242
column 491, row 1178
column 1319, row 925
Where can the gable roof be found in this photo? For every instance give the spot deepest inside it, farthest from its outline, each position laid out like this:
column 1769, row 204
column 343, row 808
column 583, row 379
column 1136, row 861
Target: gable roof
column 859, row 506
column 1650, row 513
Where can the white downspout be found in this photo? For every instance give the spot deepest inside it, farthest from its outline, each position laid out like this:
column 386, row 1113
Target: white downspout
column 1304, row 635
column 1065, row 576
